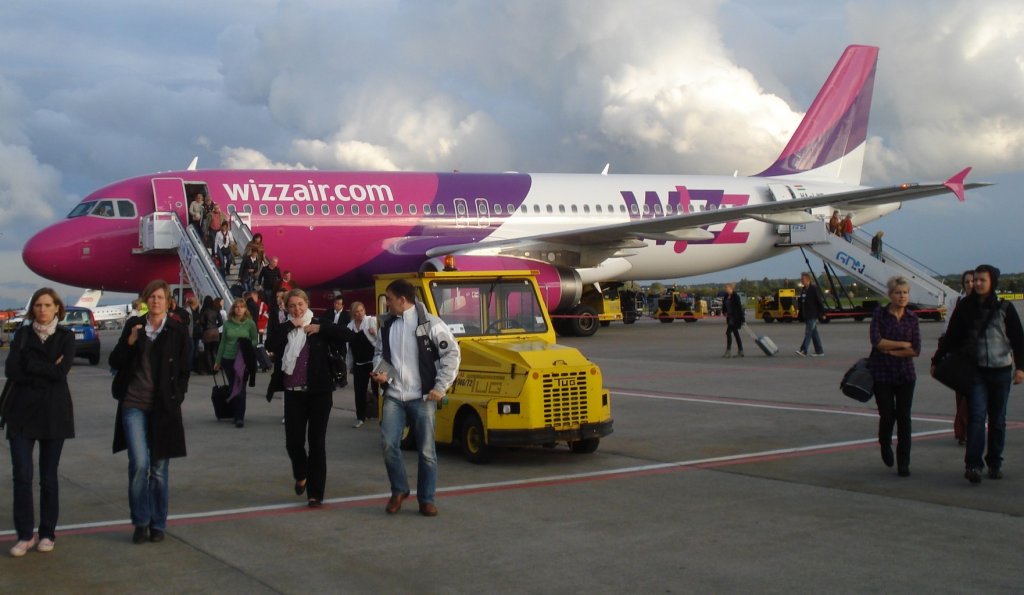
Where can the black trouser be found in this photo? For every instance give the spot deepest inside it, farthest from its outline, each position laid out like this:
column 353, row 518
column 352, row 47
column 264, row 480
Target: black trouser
column 237, row 403
column 361, row 383
column 49, row 502
column 894, row 401
column 733, row 330
column 305, row 417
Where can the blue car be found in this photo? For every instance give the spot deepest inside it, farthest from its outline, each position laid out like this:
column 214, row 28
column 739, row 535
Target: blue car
column 87, row 337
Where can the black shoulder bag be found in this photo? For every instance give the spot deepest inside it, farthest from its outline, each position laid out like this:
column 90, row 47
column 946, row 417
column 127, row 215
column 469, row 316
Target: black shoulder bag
column 957, row 368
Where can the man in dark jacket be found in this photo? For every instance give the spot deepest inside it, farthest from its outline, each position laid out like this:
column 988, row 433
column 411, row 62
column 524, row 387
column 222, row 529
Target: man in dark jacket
column 993, row 329
column 732, row 308
column 811, row 307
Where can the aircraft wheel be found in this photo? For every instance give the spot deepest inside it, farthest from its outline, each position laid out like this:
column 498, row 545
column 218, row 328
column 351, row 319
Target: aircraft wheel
column 474, row 446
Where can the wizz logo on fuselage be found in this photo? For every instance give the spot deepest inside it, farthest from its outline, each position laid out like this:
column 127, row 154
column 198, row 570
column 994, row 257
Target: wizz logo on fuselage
column 683, row 200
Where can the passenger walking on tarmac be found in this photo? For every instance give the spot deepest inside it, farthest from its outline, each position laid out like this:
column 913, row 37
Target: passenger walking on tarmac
column 416, row 359
column 302, row 370
column 810, row 307
column 994, row 329
column 361, row 346
column 960, row 419
column 732, row 308
column 876, row 245
column 231, row 358
column 152, row 378
column 895, row 342
column 210, row 322
column 39, row 409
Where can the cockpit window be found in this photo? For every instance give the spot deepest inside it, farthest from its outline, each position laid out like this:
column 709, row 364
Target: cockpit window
column 126, row 208
column 103, row 208
column 80, row 210
column 120, row 208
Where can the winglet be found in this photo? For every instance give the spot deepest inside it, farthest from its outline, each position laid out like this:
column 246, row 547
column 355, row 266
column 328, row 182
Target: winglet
column 956, row 183
column 194, row 163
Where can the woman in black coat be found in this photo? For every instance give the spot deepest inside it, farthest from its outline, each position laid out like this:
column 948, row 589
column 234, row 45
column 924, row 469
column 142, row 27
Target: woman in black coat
column 302, row 370
column 40, row 411
column 151, row 359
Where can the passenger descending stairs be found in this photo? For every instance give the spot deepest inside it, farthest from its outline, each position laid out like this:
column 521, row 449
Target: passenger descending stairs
column 163, row 232
column 856, row 260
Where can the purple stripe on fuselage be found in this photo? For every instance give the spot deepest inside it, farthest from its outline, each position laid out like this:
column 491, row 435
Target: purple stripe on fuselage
column 407, row 251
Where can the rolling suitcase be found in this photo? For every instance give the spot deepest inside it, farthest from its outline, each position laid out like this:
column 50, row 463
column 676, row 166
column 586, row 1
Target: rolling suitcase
column 764, row 342
column 262, row 359
column 219, row 395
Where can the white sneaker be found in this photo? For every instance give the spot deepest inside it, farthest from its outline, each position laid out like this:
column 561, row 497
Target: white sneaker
column 19, row 549
column 45, row 545
column 358, row 424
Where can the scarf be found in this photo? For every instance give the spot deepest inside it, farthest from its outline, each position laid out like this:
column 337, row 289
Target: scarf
column 296, row 341
column 45, row 331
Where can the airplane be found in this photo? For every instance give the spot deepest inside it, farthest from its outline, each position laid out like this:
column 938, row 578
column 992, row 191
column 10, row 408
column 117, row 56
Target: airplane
column 105, row 316
column 336, row 229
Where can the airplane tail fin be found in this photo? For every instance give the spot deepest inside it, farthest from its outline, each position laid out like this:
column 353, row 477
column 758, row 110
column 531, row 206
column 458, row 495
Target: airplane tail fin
column 829, row 143
column 90, row 299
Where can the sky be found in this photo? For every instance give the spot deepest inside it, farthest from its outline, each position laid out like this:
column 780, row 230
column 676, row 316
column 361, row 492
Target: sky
column 94, row 92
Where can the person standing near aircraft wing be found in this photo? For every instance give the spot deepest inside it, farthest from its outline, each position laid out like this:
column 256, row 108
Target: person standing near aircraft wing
column 732, row 308
column 810, row 307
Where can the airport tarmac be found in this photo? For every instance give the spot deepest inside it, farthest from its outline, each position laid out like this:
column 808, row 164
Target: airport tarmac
column 722, row 475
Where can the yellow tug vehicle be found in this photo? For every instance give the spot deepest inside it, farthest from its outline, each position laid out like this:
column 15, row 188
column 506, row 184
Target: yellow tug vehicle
column 516, row 386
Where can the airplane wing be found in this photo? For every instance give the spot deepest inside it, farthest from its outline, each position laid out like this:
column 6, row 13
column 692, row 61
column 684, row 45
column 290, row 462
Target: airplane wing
column 689, row 226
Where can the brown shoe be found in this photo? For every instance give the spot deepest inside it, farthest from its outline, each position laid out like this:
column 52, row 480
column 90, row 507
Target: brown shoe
column 395, row 502
column 428, row 509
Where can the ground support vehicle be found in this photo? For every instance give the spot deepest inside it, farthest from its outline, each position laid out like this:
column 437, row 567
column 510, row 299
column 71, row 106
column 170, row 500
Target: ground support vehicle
column 516, row 386
column 677, row 305
column 87, row 338
column 781, row 306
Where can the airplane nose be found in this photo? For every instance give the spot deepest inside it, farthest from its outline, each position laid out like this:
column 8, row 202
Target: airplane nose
column 44, row 256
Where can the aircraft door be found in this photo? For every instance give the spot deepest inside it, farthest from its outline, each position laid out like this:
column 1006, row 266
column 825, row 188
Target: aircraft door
column 169, row 197
column 483, row 213
column 461, row 212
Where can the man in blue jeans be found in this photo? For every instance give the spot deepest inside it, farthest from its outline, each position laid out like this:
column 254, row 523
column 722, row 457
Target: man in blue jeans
column 994, row 329
column 416, row 360
column 810, row 307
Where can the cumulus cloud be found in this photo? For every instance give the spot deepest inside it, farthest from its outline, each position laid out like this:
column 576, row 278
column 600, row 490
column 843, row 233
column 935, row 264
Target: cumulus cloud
column 950, row 82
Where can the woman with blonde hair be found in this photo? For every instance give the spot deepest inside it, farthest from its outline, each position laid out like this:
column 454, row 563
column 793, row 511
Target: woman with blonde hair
column 299, row 347
column 39, row 410
column 238, row 327
column 895, row 341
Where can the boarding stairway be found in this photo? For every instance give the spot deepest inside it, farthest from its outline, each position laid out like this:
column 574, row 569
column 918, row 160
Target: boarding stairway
column 164, row 232
column 855, row 258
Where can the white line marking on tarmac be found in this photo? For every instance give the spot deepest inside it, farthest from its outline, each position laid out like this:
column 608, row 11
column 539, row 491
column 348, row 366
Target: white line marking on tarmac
column 737, row 403
column 510, row 484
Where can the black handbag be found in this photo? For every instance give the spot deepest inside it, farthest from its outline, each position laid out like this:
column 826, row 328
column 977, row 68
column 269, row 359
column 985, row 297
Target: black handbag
column 858, row 383
column 5, row 401
column 339, row 369
column 956, row 370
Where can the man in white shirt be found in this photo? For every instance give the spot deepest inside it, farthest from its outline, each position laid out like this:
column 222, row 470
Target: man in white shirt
column 416, row 360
